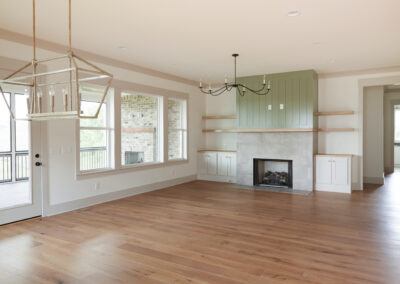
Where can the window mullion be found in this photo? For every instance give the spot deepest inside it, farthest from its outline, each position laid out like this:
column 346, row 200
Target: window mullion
column 13, row 140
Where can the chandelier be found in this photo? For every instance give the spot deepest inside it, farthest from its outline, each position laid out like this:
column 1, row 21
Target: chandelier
column 66, row 81
column 242, row 89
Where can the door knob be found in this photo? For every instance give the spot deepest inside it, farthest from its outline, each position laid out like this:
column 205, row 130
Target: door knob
column 37, row 156
column 38, row 164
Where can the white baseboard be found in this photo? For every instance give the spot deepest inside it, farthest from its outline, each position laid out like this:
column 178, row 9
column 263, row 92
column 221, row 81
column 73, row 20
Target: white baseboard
column 217, row 178
column 374, row 180
column 356, row 187
column 102, row 198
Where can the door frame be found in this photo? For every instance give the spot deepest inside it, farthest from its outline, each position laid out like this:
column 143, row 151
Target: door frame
column 35, row 209
column 363, row 83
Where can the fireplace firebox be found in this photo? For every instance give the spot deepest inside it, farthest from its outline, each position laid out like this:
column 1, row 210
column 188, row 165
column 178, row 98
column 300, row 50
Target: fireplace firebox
column 272, row 172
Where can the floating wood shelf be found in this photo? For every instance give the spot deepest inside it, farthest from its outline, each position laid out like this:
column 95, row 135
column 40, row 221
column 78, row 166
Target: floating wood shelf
column 335, row 155
column 259, row 130
column 232, row 116
column 225, row 151
column 343, row 112
column 336, row 129
column 277, row 130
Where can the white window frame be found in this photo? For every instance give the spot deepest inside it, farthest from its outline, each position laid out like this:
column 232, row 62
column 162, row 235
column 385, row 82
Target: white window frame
column 110, row 132
column 183, row 129
column 119, row 87
column 160, row 130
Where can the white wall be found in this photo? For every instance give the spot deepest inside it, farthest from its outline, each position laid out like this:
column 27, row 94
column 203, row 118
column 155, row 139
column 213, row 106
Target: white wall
column 62, row 184
column 373, row 135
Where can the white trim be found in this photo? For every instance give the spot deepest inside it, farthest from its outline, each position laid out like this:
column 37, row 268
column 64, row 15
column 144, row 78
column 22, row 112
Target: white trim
column 98, row 199
column 217, row 178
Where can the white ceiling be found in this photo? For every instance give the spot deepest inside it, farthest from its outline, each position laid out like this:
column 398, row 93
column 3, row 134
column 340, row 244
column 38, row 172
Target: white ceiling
column 194, row 39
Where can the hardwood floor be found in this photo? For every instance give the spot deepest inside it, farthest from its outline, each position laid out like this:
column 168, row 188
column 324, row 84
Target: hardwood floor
column 206, row 232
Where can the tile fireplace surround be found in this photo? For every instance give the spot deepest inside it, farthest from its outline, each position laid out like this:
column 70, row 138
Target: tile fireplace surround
column 299, row 147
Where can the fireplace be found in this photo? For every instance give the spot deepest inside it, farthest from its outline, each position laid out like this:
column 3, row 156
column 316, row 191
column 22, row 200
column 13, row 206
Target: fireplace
column 272, row 172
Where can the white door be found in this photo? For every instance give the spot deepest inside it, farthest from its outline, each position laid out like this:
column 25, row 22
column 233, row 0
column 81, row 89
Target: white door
column 340, row 171
column 20, row 178
column 324, row 170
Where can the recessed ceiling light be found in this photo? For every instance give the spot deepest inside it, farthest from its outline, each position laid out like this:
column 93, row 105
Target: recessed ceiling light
column 293, row 13
column 122, row 47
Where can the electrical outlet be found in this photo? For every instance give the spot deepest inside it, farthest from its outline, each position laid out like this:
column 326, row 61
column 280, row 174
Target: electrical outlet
column 96, row 186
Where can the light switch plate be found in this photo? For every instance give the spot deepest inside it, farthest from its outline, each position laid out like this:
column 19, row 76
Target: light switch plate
column 269, row 107
column 281, row 106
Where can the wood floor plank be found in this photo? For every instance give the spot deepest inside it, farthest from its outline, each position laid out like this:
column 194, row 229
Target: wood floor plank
column 208, row 232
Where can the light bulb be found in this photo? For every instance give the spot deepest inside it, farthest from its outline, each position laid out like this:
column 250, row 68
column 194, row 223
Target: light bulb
column 64, row 91
column 52, row 92
column 39, row 94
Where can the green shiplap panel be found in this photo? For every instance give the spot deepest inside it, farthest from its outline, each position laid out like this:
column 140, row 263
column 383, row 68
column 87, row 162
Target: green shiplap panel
column 297, row 91
column 262, row 110
column 282, row 101
column 303, row 103
column 315, row 99
column 288, row 103
column 296, row 103
column 310, row 102
column 275, row 104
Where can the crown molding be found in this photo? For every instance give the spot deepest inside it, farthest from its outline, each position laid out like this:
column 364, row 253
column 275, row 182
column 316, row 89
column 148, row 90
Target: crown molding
column 359, row 72
column 59, row 48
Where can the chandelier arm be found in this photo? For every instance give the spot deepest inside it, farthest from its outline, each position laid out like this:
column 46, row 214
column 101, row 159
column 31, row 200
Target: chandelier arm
column 254, row 91
column 217, row 90
column 220, row 93
column 213, row 91
column 240, row 92
column 257, row 92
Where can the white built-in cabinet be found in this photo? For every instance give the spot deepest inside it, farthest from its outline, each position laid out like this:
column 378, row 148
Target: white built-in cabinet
column 217, row 166
column 333, row 173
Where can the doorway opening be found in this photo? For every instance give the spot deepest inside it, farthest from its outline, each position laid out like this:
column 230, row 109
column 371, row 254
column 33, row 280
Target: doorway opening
column 396, row 141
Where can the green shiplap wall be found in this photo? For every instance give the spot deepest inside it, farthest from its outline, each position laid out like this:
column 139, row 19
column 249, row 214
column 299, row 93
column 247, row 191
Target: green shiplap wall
column 296, row 91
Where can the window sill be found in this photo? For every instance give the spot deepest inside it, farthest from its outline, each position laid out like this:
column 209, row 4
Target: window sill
column 81, row 175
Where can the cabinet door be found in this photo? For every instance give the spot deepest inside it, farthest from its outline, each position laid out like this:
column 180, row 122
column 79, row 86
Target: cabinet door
column 397, row 155
column 232, row 165
column 222, row 164
column 211, row 163
column 202, row 163
column 324, row 170
column 340, row 171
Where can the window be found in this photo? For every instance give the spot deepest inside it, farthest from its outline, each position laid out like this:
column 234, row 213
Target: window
column 177, row 129
column 140, row 129
column 397, row 124
column 14, row 142
column 95, row 134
